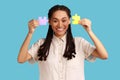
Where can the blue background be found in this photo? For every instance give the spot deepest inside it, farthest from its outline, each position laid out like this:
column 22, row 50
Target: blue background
column 14, row 17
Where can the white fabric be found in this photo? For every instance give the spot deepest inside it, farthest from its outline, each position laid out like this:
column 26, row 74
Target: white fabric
column 58, row 68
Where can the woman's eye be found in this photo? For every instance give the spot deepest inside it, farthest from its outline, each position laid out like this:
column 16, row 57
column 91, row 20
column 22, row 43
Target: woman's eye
column 64, row 21
column 55, row 21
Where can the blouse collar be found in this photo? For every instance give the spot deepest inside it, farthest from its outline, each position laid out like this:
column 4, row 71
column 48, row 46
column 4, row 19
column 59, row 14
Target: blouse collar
column 63, row 38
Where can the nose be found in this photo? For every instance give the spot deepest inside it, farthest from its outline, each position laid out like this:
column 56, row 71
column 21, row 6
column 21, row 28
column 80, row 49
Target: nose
column 60, row 24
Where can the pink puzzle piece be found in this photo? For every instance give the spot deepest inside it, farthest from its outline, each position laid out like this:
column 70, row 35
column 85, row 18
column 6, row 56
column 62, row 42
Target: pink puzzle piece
column 42, row 21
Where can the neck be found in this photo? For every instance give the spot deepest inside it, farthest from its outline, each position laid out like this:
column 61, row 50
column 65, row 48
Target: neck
column 60, row 36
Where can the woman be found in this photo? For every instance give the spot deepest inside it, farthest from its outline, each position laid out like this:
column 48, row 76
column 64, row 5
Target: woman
column 59, row 55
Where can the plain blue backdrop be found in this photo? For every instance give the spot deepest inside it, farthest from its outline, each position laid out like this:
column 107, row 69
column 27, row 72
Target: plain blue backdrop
column 14, row 17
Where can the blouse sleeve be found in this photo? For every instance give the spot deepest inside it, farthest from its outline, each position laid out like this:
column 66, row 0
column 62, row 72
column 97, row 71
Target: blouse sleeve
column 88, row 49
column 33, row 51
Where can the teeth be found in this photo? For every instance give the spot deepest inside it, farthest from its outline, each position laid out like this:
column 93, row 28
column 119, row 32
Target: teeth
column 60, row 29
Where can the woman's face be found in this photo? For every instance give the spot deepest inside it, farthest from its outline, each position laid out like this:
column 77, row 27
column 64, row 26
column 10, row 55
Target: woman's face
column 59, row 22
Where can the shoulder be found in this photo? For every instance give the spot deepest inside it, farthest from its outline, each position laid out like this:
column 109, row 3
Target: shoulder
column 40, row 41
column 80, row 40
column 77, row 39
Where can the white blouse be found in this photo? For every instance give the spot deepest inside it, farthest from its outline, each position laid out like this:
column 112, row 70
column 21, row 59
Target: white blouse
column 56, row 67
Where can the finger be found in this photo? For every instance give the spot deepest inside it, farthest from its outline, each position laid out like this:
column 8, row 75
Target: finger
column 79, row 22
column 31, row 21
column 35, row 22
column 85, row 26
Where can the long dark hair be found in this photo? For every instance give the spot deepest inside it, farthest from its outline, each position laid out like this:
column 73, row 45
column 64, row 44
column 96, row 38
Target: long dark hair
column 69, row 53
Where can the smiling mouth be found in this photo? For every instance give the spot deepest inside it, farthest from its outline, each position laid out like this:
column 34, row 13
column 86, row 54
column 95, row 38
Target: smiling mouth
column 60, row 29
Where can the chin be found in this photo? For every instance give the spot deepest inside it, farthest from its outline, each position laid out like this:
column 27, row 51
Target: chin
column 60, row 34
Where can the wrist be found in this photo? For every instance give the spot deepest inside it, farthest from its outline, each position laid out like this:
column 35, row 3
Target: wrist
column 30, row 33
column 90, row 32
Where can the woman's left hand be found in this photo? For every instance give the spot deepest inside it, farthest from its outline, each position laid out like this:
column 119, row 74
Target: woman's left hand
column 86, row 23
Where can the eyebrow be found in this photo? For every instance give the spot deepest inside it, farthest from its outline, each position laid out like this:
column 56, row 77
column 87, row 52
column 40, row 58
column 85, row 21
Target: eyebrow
column 62, row 18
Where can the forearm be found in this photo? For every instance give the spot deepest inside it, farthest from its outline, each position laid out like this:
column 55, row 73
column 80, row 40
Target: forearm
column 24, row 48
column 101, row 51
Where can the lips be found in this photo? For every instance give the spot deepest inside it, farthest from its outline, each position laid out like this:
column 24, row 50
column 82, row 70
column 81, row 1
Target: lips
column 60, row 29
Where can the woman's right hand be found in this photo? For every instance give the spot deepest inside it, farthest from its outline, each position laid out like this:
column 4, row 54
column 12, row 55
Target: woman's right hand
column 32, row 24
